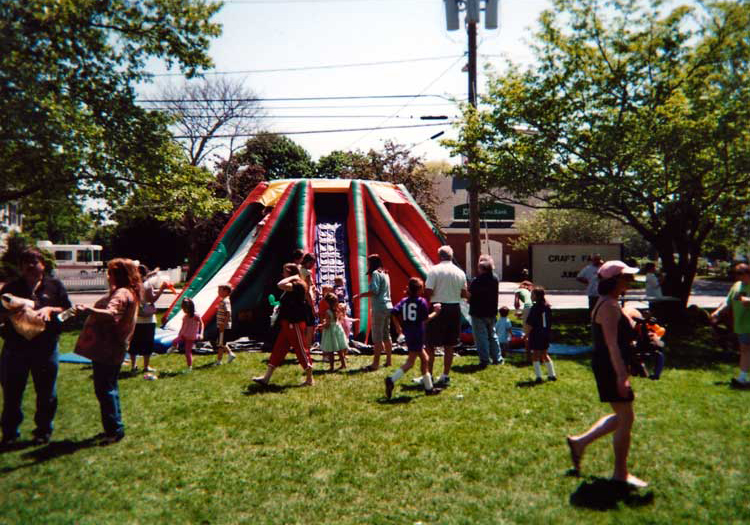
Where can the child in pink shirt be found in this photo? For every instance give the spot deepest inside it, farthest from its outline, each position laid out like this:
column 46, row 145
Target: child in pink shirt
column 190, row 331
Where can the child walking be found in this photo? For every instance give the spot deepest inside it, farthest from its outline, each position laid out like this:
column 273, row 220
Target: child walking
column 224, row 323
column 539, row 328
column 502, row 328
column 410, row 315
column 190, row 331
column 333, row 339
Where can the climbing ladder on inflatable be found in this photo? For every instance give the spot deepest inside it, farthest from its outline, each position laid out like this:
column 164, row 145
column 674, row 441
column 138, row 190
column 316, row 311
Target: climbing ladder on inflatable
column 331, row 252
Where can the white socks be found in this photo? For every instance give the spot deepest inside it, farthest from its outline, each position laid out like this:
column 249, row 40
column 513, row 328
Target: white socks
column 538, row 369
column 398, row 374
column 742, row 377
column 427, row 381
column 550, row 369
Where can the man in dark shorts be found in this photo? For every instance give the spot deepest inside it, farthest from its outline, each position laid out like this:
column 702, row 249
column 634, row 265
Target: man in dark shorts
column 446, row 285
column 38, row 356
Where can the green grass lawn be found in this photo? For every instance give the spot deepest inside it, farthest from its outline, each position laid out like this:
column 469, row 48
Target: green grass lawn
column 207, row 447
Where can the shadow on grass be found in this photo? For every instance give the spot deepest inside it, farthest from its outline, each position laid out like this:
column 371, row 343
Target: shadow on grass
column 606, row 494
column 52, row 450
column 468, row 369
column 398, row 400
column 362, row 370
column 528, row 384
column 254, row 389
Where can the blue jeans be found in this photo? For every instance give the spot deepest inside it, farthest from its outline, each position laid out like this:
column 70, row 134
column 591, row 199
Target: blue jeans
column 485, row 338
column 108, row 394
column 15, row 366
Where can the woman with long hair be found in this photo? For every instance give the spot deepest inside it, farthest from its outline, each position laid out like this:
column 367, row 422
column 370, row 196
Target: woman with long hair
column 613, row 336
column 105, row 338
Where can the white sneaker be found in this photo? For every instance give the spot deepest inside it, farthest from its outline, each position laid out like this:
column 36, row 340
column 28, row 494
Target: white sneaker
column 418, row 380
column 231, row 358
column 443, row 380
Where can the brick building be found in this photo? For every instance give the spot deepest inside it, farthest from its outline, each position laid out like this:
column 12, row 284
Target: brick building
column 497, row 228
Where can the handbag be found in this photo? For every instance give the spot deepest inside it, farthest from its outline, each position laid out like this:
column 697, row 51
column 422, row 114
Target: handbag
column 26, row 321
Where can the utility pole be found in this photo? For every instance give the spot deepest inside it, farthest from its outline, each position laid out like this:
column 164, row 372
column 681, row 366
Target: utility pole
column 474, row 228
column 472, row 8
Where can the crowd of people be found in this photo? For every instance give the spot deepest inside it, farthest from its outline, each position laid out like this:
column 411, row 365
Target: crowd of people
column 428, row 317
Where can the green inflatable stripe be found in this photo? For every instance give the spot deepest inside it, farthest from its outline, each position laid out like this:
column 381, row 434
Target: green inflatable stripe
column 422, row 213
column 397, row 233
column 358, row 211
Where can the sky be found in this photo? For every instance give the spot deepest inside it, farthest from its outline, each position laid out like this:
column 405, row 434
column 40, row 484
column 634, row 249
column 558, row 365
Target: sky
column 309, row 40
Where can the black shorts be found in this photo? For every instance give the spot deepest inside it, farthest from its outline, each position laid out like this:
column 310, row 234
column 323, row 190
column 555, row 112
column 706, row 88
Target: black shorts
column 606, row 381
column 143, row 339
column 444, row 330
column 227, row 336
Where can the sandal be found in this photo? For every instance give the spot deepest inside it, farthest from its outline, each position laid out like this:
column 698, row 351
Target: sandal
column 575, row 456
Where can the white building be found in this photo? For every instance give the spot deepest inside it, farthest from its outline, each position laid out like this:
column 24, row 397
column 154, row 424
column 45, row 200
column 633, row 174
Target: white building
column 11, row 220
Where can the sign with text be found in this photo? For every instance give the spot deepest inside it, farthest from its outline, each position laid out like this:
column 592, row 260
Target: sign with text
column 555, row 266
column 491, row 212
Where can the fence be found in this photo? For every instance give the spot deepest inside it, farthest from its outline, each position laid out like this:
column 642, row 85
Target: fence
column 97, row 281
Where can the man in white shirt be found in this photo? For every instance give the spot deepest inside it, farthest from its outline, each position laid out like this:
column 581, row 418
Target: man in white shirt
column 445, row 285
column 588, row 276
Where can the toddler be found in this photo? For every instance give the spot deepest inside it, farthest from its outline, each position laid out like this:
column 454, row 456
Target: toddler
column 502, row 328
column 190, row 331
column 333, row 338
column 224, row 323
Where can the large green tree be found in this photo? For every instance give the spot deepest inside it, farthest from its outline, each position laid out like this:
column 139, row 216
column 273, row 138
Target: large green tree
column 640, row 113
column 70, row 122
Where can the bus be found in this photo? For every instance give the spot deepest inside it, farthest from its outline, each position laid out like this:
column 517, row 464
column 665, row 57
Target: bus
column 80, row 260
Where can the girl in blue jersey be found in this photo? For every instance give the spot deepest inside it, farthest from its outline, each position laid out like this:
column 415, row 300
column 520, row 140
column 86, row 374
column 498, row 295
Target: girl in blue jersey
column 409, row 316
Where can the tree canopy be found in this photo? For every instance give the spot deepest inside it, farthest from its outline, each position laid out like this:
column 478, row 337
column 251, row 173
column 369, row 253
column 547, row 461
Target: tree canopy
column 71, row 123
column 634, row 112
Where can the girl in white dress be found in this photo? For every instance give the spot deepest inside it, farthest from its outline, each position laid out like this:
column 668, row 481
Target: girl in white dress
column 333, row 338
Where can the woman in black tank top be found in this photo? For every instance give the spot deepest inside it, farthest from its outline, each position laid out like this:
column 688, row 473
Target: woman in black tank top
column 613, row 333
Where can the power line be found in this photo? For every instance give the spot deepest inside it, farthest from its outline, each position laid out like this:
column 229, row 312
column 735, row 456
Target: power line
column 310, row 132
column 411, row 99
column 291, row 99
column 313, row 68
column 198, row 115
column 250, row 2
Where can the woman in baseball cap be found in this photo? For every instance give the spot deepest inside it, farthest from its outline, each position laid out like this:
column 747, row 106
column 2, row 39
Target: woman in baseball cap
column 613, row 333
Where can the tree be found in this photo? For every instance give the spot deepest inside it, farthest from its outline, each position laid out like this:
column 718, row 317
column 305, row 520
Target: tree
column 278, row 156
column 393, row 164
column 567, row 227
column 71, row 124
column 195, row 197
column 633, row 113
column 62, row 219
column 210, row 115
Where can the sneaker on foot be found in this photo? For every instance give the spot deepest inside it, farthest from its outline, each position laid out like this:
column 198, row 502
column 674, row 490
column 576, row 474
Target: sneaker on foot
column 538, row 380
column 388, row 387
column 41, row 439
column 418, row 380
column 443, row 380
column 433, row 392
column 740, row 384
column 551, row 378
column 231, row 358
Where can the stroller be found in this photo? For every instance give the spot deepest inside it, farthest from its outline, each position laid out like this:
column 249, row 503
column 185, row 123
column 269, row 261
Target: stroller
column 647, row 348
